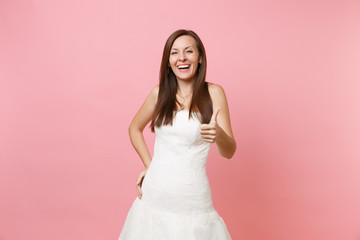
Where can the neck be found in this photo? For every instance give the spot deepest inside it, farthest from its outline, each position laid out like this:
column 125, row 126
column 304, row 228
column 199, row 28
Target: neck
column 185, row 87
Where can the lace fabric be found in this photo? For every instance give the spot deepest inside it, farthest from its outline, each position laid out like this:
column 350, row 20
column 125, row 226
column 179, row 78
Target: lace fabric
column 176, row 202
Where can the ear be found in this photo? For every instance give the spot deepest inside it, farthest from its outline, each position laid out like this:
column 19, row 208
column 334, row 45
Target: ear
column 200, row 60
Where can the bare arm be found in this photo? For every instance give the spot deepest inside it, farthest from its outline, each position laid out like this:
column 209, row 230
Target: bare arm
column 139, row 122
column 219, row 129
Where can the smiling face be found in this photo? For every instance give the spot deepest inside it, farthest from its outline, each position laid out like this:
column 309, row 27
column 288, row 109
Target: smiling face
column 184, row 58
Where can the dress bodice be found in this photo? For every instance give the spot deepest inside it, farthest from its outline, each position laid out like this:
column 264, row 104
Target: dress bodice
column 181, row 141
column 178, row 166
column 184, row 132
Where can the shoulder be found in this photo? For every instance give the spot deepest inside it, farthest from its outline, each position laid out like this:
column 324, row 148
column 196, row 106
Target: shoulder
column 152, row 97
column 217, row 95
column 154, row 92
column 216, row 91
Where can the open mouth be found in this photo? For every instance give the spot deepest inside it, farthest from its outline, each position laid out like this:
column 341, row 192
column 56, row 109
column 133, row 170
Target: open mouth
column 183, row 68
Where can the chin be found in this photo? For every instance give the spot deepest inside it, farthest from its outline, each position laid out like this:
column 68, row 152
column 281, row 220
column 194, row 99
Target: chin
column 186, row 78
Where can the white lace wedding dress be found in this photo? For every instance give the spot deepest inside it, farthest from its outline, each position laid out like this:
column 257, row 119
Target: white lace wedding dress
column 176, row 203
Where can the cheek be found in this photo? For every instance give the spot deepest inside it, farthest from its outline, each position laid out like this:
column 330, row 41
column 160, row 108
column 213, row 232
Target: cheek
column 195, row 59
column 172, row 62
column 196, row 63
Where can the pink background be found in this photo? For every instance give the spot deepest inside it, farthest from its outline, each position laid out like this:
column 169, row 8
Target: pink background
column 73, row 74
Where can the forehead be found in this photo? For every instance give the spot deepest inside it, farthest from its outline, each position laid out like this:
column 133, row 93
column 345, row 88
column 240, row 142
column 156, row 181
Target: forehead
column 184, row 41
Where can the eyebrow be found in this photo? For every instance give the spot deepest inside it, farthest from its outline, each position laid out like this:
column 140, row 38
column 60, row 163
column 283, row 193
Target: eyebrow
column 185, row 48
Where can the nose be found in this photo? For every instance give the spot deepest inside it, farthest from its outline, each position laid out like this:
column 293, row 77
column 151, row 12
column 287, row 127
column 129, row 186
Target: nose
column 182, row 56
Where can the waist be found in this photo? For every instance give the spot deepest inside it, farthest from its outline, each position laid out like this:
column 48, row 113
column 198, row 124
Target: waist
column 179, row 177
column 173, row 200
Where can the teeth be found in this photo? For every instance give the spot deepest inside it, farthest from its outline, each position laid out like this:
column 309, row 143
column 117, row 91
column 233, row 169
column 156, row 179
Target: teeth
column 183, row 66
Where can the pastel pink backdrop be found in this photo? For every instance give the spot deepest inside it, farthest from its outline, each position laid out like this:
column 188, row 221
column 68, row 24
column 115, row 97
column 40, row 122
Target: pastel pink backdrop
column 73, row 74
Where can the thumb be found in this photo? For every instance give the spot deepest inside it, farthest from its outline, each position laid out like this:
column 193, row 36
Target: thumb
column 214, row 116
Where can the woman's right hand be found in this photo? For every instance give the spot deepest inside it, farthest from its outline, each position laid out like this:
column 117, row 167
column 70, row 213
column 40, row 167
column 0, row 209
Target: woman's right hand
column 139, row 182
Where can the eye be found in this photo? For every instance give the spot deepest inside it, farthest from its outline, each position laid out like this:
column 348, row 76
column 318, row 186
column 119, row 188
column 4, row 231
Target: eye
column 173, row 53
column 189, row 51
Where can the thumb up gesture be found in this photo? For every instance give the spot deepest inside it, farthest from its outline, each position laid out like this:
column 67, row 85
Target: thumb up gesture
column 209, row 131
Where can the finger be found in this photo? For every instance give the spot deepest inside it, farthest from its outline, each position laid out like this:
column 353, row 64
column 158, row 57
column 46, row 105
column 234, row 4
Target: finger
column 138, row 192
column 138, row 187
column 209, row 140
column 208, row 137
column 214, row 116
column 140, row 183
column 208, row 132
column 204, row 126
column 140, row 179
column 207, row 126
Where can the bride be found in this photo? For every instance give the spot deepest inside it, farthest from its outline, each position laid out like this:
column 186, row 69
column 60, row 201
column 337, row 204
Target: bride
column 187, row 114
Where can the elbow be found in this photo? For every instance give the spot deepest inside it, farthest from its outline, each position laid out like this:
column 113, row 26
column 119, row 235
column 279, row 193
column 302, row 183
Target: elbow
column 133, row 129
column 230, row 153
column 229, row 156
column 130, row 129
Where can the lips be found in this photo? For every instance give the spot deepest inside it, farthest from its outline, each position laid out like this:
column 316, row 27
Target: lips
column 183, row 67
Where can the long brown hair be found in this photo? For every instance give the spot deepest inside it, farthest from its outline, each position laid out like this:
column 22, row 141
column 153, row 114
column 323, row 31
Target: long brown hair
column 166, row 103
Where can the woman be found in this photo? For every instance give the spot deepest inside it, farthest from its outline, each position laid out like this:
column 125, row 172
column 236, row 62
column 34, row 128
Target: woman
column 187, row 114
